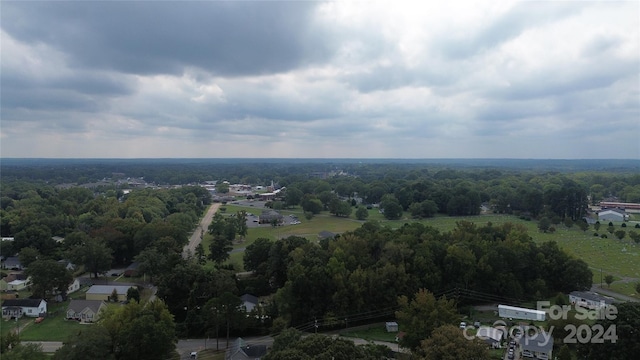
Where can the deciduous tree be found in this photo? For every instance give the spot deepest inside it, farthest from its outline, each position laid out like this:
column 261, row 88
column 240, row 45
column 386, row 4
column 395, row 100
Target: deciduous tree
column 447, row 342
column 48, row 277
column 421, row 315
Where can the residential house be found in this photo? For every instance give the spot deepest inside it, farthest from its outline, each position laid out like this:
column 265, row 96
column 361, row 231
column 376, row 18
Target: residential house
column 12, row 263
column 490, row 335
column 249, row 302
column 85, row 311
column 14, row 282
column 240, row 350
column 67, row 264
column 269, row 216
column 58, row 239
column 588, row 299
column 16, row 308
column 613, row 215
column 75, row 286
column 538, row 346
column 103, row 292
column 132, row 270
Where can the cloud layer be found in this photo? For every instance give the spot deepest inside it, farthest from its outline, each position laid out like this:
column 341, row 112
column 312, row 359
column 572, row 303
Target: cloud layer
column 320, row 79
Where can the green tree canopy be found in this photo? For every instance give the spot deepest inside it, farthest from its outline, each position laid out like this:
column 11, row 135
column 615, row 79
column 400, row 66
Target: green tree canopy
column 421, row 315
column 448, row 343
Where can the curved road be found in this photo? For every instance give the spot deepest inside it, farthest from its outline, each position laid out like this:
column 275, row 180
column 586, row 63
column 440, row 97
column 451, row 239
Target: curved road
column 197, row 235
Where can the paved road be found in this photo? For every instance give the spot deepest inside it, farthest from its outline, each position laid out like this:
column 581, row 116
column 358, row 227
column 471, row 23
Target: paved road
column 197, row 235
column 186, row 346
column 613, row 294
column 47, row 346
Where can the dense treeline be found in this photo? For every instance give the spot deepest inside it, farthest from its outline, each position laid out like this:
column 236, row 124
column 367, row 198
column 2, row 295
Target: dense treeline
column 366, row 270
column 33, row 214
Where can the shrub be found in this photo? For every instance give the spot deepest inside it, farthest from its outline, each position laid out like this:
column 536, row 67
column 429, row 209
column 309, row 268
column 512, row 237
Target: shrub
column 623, row 225
column 604, row 236
column 596, row 234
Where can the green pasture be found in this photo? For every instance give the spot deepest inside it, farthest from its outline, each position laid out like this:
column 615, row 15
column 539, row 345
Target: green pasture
column 619, row 258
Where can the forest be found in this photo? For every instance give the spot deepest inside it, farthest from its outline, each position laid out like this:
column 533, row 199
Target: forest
column 355, row 277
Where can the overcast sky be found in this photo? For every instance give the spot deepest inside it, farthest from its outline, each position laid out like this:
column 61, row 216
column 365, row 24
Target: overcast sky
column 348, row 79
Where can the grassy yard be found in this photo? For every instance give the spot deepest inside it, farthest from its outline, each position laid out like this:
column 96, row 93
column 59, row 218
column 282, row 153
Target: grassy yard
column 53, row 328
column 375, row 332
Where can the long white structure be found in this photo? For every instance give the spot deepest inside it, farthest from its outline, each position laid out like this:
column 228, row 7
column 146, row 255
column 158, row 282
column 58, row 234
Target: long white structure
column 513, row 312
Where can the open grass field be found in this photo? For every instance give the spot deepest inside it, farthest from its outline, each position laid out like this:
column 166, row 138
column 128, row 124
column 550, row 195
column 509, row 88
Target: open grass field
column 620, row 258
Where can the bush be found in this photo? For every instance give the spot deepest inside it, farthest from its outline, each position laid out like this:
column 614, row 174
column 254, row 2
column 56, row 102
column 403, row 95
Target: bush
column 223, row 209
column 596, row 234
column 623, row 225
column 604, row 236
column 637, row 226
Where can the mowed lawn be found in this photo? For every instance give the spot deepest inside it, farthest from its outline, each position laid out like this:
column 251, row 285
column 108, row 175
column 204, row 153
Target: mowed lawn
column 54, row 327
column 620, row 258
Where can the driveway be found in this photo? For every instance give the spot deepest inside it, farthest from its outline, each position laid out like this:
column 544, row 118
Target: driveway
column 198, row 234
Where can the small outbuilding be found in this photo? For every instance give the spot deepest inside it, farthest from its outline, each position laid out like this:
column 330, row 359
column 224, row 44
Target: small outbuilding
column 391, row 326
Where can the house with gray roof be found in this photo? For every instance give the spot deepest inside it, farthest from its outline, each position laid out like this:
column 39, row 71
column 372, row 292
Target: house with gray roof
column 85, row 311
column 538, row 346
column 249, row 302
column 269, row 216
column 613, row 215
column 103, row 292
column 589, row 299
column 241, row 350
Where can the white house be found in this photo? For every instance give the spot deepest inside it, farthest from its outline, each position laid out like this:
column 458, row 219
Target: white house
column 589, row 299
column 16, row 308
column 249, row 302
column 613, row 215
column 75, row 286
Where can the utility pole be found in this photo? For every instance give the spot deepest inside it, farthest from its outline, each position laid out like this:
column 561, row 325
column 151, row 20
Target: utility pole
column 316, row 325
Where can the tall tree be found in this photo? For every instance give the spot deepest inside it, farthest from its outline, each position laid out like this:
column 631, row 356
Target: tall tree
column 448, row 343
column 94, row 255
column 621, row 338
column 48, row 277
column 91, row 342
column 140, row 332
column 420, row 316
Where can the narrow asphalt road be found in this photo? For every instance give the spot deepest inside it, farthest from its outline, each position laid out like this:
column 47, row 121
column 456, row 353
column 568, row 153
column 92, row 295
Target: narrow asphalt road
column 603, row 291
column 198, row 234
